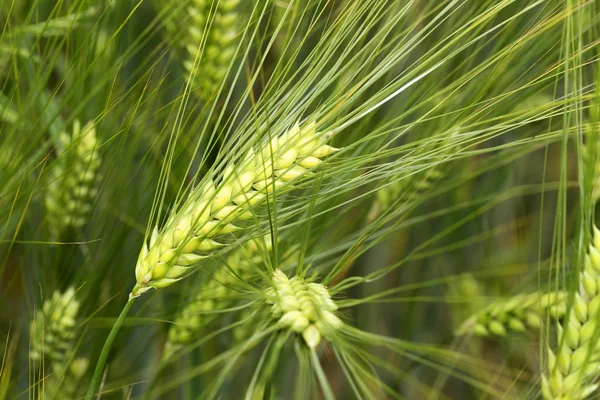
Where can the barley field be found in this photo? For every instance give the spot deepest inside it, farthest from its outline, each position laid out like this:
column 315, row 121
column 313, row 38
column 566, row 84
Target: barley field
column 299, row 199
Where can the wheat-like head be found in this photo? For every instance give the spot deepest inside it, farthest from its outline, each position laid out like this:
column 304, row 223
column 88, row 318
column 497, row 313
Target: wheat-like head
column 214, row 208
column 303, row 307
column 74, row 180
column 218, row 29
column 574, row 366
column 518, row 313
column 53, row 328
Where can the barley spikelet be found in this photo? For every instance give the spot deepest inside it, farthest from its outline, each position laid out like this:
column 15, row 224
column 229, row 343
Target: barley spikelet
column 574, row 366
column 74, row 180
column 218, row 29
column 213, row 208
column 213, row 295
column 515, row 314
column 303, row 307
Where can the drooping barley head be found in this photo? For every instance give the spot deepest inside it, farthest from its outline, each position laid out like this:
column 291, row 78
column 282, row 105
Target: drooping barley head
column 213, row 208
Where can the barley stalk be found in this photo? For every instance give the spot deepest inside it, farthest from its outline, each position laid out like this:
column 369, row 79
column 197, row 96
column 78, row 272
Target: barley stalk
column 74, row 180
column 303, row 307
column 213, row 208
column 515, row 314
column 218, row 28
column 574, row 366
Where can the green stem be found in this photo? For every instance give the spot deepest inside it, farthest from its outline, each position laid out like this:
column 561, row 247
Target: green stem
column 106, row 349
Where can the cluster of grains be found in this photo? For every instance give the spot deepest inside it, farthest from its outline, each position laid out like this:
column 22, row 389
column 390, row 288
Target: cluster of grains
column 215, row 26
column 303, row 307
column 52, row 341
column 214, row 207
column 515, row 314
column 575, row 365
column 215, row 294
column 75, row 178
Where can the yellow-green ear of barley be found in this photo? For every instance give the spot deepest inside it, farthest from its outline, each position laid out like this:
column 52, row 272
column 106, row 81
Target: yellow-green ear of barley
column 196, row 315
column 53, row 329
column 575, row 365
column 515, row 314
column 213, row 209
column 218, row 30
column 303, row 307
column 75, row 178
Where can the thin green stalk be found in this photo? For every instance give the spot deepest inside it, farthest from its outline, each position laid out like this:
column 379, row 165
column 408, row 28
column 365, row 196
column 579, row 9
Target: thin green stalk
column 106, row 349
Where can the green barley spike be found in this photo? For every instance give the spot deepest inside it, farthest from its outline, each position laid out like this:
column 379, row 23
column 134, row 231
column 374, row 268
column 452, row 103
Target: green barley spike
column 214, row 294
column 186, row 242
column 303, row 307
column 53, row 328
column 214, row 26
column 74, row 181
column 53, row 335
column 575, row 365
column 515, row 314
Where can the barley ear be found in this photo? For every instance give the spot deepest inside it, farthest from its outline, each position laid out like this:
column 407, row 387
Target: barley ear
column 519, row 313
column 75, row 177
column 574, row 368
column 217, row 30
column 213, row 209
column 53, row 334
column 303, row 307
